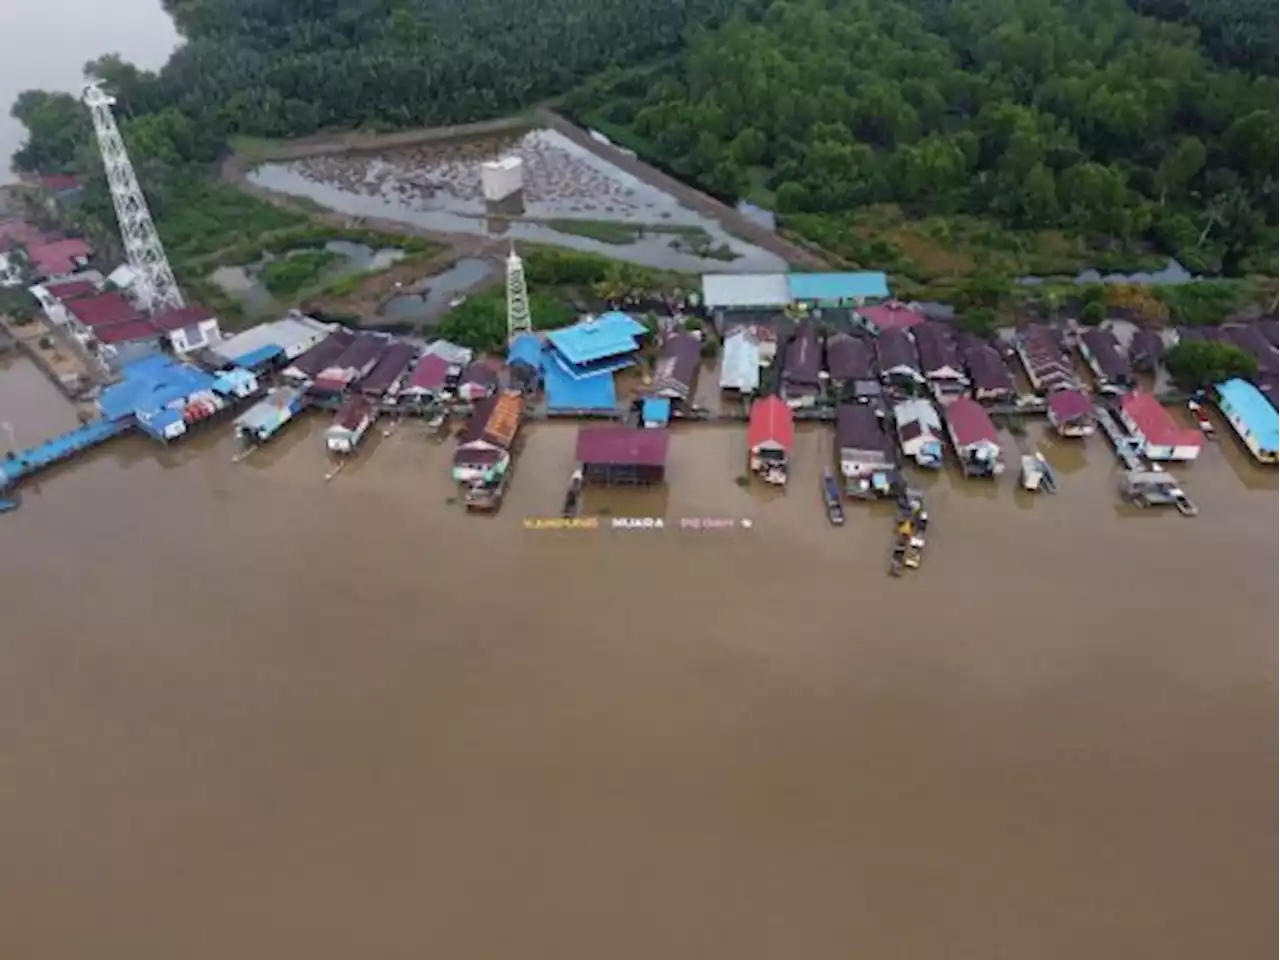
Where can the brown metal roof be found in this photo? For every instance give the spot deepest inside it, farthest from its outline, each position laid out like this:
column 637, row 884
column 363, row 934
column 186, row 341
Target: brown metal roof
column 677, row 365
column 352, row 412
column 987, row 369
column 935, row 343
column 495, row 420
column 389, row 369
column 858, row 428
column 850, row 358
column 323, row 353
column 622, row 446
column 895, row 348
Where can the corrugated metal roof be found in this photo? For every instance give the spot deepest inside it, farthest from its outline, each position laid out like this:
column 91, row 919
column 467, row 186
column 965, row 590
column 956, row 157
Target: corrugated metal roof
column 1155, row 423
column 272, row 410
column 1103, row 346
column 565, row 392
column 451, row 352
column 771, row 422
column 430, row 373
column 858, row 428
column 804, row 356
column 597, row 339
column 622, row 446
column 1248, row 403
column 969, row 423
column 677, row 365
column 838, row 286
column 102, row 309
column 114, row 333
column 745, row 290
column 895, row 349
column 390, row 368
column 849, row 358
column 526, row 348
column 323, row 353
column 740, row 363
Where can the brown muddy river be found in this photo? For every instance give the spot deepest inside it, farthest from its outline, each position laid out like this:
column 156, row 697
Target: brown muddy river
column 247, row 713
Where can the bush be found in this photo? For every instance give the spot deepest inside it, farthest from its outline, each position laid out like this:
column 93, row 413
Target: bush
column 1093, row 313
column 1196, row 364
column 288, row 275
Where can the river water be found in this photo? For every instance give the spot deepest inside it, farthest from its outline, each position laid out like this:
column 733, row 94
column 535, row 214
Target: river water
column 245, row 712
column 44, row 45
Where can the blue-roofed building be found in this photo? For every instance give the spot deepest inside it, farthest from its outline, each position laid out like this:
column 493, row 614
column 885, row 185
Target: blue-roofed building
column 655, row 411
column 155, row 388
column 525, row 362
column 1252, row 417
column 834, row 289
column 569, row 395
column 603, row 344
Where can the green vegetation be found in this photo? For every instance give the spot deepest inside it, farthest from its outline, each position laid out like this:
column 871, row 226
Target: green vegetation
column 604, row 231
column 1208, row 302
column 288, row 275
column 983, row 134
column 1198, row 364
column 481, row 322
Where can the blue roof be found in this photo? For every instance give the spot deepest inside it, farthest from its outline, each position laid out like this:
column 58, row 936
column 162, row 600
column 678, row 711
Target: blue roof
column 656, row 410
column 587, row 393
column 151, row 383
column 1247, row 402
column 837, row 286
column 527, row 348
column 256, row 358
column 230, row 380
column 606, row 336
column 159, row 421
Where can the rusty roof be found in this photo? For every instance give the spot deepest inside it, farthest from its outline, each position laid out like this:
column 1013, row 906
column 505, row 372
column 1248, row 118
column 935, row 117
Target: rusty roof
column 504, row 419
column 849, row 357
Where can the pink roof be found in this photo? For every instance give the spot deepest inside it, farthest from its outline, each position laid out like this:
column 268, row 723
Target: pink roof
column 891, row 316
column 771, row 421
column 630, row 446
column 70, row 289
column 125, row 332
column 57, row 256
column 1156, row 424
column 969, row 423
column 182, row 317
column 13, row 232
column 105, row 308
column 59, row 181
column 1070, row 404
column 430, row 373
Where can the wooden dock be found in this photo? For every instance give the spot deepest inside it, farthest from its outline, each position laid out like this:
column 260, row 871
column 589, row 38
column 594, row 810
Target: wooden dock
column 1126, row 446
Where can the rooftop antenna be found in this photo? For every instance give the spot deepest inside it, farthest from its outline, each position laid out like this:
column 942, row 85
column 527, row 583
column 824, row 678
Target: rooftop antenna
column 518, row 319
column 157, row 289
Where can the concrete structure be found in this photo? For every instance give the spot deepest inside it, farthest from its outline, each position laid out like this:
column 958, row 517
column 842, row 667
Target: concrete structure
column 1252, row 417
column 771, row 437
column 622, row 455
column 974, row 436
column 1158, row 435
column 919, row 432
column 864, row 450
column 500, row 179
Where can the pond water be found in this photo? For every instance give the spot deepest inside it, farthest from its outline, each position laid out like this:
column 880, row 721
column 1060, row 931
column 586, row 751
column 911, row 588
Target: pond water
column 437, row 187
column 242, row 280
column 432, row 295
column 1172, row 273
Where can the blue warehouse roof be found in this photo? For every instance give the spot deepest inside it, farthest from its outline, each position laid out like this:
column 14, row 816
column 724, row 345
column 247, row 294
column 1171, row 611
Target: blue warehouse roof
column 838, row 286
column 566, row 393
column 151, row 383
column 606, row 336
column 1254, row 409
column 526, row 348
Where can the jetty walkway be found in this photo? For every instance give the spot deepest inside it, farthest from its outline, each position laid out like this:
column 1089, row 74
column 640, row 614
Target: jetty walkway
column 1126, row 447
column 16, row 466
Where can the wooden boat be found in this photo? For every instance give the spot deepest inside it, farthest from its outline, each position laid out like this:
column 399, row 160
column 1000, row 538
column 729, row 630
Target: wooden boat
column 831, row 496
column 573, row 496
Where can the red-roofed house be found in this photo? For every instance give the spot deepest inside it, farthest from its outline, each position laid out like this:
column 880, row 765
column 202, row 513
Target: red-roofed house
column 102, row 310
column 188, row 328
column 974, row 436
column 1159, row 435
column 59, row 182
column 14, row 233
column 130, row 331
column 890, row 316
column 59, row 258
column 430, row 378
column 1071, row 413
column 54, row 297
column 771, row 435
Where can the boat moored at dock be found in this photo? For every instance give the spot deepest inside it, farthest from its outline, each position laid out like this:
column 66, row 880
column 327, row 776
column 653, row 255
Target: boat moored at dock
column 265, row 418
column 831, row 497
column 1156, row 488
column 350, row 425
column 1037, row 475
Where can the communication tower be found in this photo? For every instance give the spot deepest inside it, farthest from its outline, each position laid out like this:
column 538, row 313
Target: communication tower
column 157, row 289
column 518, row 319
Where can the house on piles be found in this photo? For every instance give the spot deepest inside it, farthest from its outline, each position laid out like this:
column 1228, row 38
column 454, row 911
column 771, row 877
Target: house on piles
column 919, row 431
column 675, row 374
column 352, row 365
column 975, row 439
column 1107, row 360
column 382, row 383
column 851, row 365
column 989, row 377
column 940, row 360
column 1159, row 436
column 898, row 359
column 479, row 381
column 484, row 447
column 1045, row 359
column 350, row 424
column 771, row 436
column 740, row 362
column 1146, row 350
column 802, row 367
column 1071, row 413
column 865, row 452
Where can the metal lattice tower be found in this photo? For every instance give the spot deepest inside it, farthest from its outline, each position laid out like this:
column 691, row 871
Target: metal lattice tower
column 518, row 319
column 156, row 289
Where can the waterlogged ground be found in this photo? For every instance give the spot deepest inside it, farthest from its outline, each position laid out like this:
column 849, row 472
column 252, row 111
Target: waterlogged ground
column 220, row 680
column 437, row 187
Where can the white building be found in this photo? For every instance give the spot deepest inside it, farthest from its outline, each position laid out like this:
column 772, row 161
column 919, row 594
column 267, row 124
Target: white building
column 499, row 179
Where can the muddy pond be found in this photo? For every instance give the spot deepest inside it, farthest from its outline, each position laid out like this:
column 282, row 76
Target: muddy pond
column 571, row 197
column 244, row 281
column 428, row 299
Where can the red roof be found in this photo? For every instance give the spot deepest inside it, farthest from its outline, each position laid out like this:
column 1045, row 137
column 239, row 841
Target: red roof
column 182, row 317
column 1070, row 404
column 771, row 422
column 891, row 316
column 969, row 423
column 630, row 446
column 70, row 289
column 58, row 256
column 105, row 308
column 59, row 181
column 430, row 374
column 126, row 332
column 1156, row 424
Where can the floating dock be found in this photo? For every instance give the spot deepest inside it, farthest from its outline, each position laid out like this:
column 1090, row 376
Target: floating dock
column 1126, row 446
column 59, row 448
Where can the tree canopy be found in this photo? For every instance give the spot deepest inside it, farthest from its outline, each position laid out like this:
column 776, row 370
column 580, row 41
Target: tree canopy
column 1196, row 364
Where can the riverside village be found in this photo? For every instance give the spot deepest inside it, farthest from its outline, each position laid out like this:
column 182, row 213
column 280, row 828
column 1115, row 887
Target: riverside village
column 897, row 390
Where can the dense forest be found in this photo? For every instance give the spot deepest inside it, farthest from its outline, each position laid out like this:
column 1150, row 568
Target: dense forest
column 1078, row 117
